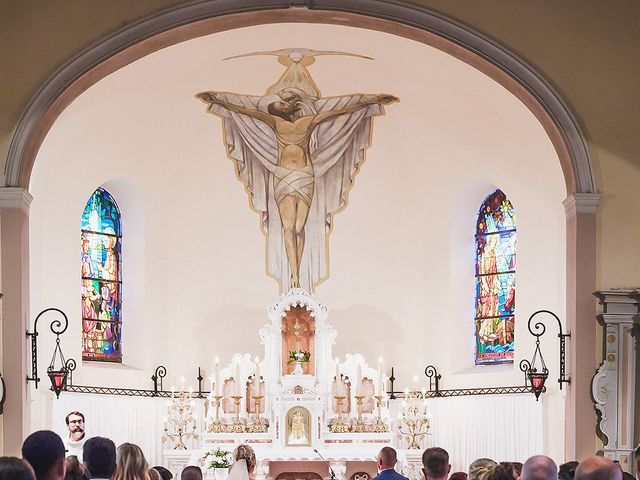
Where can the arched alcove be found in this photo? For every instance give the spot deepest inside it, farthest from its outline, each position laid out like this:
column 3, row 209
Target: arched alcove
column 417, row 25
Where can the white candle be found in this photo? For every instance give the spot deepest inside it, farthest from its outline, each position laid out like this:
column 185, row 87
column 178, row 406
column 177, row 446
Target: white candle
column 258, row 370
column 380, row 377
column 217, row 376
column 359, row 380
column 415, row 383
column 173, row 391
column 237, row 380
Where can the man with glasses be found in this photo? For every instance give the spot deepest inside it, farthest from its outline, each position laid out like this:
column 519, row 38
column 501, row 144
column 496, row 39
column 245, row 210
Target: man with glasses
column 76, row 438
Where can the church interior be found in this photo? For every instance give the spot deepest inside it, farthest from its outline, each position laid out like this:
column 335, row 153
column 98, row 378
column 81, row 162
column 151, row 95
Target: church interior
column 295, row 225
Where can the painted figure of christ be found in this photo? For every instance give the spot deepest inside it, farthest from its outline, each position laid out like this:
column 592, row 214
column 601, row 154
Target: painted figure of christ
column 290, row 138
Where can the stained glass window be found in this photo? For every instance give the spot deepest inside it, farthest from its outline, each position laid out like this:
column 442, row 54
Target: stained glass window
column 100, row 243
column 495, row 280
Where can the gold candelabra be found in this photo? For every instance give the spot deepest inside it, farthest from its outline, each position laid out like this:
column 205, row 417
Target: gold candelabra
column 339, row 426
column 359, row 425
column 217, row 425
column 180, row 422
column 379, row 426
column 258, row 425
column 237, row 426
column 415, row 420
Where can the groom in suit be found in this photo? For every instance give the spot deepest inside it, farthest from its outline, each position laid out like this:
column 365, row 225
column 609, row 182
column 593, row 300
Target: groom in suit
column 387, row 459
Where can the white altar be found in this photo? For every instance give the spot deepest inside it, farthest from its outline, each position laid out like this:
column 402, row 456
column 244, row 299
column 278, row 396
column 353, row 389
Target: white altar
column 298, row 409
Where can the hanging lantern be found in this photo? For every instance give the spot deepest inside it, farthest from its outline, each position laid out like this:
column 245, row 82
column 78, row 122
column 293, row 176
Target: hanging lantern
column 58, row 376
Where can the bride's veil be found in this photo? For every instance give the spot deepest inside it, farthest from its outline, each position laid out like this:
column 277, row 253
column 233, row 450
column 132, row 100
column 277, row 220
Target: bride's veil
column 238, row 470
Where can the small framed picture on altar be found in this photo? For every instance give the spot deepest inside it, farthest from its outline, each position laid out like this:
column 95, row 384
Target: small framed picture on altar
column 298, row 431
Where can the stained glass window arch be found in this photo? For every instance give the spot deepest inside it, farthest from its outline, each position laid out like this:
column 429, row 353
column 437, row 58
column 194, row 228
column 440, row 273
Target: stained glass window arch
column 101, row 264
column 495, row 299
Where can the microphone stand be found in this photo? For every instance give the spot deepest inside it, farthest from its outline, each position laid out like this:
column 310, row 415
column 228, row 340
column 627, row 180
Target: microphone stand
column 331, row 472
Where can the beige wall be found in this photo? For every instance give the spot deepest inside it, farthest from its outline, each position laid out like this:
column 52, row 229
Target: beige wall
column 588, row 49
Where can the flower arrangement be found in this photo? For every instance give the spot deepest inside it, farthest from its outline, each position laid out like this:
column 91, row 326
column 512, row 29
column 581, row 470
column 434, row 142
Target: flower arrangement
column 217, row 459
column 299, row 356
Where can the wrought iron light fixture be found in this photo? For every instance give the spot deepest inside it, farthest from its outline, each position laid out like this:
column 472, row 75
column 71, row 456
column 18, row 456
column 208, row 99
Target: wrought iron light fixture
column 57, row 374
column 536, row 370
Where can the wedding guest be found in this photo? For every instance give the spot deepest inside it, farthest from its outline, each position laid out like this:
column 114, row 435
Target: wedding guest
column 502, row 471
column 99, row 456
column 13, row 468
column 567, row 471
column 164, row 472
column 435, row 464
column 44, row 451
column 458, row 476
column 130, row 463
column 517, row 469
column 76, row 435
column 387, row 459
column 539, row 467
column 480, row 467
column 154, row 474
column 598, row 468
column 246, row 453
column 191, row 472
column 75, row 470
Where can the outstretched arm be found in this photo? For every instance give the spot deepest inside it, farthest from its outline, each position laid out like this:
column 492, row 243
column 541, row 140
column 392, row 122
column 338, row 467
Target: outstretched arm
column 380, row 99
column 212, row 98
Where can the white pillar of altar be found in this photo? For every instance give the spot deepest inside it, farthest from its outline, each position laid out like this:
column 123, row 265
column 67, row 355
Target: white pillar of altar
column 614, row 385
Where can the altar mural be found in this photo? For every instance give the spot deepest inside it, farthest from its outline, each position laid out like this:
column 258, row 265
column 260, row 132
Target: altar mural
column 297, row 154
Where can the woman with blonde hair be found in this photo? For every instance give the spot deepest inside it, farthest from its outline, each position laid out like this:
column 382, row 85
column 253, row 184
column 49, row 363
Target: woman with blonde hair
column 131, row 464
column 244, row 464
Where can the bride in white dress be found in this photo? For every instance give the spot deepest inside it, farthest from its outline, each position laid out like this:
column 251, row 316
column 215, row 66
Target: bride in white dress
column 244, row 465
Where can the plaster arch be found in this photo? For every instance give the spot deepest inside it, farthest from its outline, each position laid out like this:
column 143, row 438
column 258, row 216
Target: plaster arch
column 185, row 22
column 411, row 21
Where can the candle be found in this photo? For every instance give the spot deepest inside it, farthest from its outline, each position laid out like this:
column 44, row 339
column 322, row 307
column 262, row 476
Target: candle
column 237, row 381
column 213, row 385
column 258, row 370
column 359, row 380
column 415, row 383
column 217, row 376
column 380, row 377
column 173, row 391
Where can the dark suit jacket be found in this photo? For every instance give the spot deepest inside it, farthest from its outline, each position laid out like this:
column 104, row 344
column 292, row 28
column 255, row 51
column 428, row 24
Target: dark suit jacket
column 389, row 474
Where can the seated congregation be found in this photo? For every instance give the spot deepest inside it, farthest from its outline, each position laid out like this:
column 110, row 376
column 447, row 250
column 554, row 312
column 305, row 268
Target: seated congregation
column 44, row 458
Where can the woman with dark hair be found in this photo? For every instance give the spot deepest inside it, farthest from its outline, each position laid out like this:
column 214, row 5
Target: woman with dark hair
column 13, row 468
column 502, row 471
column 567, row 471
column 75, row 470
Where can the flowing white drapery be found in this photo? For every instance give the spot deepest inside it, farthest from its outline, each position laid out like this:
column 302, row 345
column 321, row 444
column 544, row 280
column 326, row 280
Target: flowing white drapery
column 501, row 427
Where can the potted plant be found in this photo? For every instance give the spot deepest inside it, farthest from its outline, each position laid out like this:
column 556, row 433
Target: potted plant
column 219, row 461
column 299, row 357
